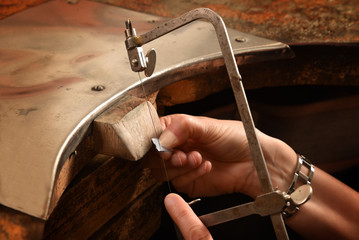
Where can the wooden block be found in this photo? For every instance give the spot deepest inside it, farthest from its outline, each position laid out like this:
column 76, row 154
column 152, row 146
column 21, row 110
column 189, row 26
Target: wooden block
column 106, row 188
column 72, row 166
column 140, row 220
column 109, row 199
column 126, row 129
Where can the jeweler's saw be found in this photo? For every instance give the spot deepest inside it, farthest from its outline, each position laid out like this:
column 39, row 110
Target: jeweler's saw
column 271, row 202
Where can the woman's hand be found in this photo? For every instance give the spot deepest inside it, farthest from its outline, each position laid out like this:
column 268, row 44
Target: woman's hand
column 186, row 220
column 211, row 157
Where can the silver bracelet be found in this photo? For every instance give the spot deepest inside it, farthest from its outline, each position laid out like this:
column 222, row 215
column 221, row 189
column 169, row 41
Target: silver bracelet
column 306, row 179
column 304, row 194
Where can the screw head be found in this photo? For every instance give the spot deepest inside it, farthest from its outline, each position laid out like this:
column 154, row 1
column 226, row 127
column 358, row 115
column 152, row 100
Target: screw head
column 240, row 39
column 134, row 62
column 98, row 88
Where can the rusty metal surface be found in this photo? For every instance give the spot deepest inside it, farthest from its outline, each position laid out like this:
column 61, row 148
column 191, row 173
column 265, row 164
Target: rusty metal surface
column 9, row 7
column 52, row 56
column 299, row 21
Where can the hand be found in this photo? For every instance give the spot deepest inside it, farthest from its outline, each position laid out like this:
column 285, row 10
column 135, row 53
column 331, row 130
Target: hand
column 212, row 157
column 186, row 220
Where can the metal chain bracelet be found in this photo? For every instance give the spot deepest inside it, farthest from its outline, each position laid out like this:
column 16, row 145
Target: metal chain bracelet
column 293, row 206
column 306, row 179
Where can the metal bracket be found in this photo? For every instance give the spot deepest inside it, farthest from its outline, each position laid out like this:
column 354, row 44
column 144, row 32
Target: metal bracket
column 138, row 63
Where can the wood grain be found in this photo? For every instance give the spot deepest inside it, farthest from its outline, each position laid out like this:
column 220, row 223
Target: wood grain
column 107, row 186
column 125, row 130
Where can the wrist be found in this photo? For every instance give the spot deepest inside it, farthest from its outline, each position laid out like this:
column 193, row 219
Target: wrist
column 281, row 164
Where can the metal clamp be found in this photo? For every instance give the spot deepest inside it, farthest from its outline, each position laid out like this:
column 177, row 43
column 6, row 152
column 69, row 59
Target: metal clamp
column 138, row 61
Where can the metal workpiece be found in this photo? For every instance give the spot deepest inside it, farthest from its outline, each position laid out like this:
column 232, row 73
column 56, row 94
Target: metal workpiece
column 50, row 65
column 159, row 147
column 236, row 83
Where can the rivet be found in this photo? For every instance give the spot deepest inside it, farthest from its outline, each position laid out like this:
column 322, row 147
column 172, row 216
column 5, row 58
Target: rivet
column 240, row 39
column 98, row 88
column 134, row 62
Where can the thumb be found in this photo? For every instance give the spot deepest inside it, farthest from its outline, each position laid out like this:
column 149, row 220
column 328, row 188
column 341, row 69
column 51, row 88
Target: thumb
column 178, row 129
column 169, row 140
column 187, row 221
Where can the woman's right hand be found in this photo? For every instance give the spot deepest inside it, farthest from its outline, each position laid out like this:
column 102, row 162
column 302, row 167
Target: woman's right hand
column 211, row 157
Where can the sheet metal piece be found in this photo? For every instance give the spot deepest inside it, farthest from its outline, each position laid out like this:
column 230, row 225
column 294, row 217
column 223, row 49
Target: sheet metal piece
column 51, row 62
column 158, row 145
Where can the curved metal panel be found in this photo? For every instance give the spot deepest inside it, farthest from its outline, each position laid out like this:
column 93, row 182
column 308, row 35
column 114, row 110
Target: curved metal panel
column 52, row 56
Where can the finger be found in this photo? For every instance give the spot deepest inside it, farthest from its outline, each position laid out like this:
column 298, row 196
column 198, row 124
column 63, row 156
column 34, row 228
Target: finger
column 190, row 172
column 168, row 139
column 182, row 181
column 189, row 224
column 179, row 128
column 171, row 172
column 177, row 159
column 180, row 159
column 154, row 160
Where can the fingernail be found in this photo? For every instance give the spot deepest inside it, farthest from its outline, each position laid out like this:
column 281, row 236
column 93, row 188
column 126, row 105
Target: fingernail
column 206, row 167
column 170, row 200
column 193, row 160
column 168, row 139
